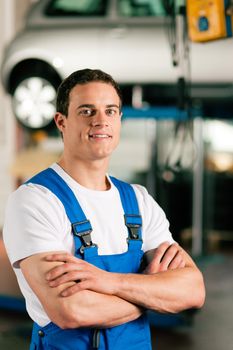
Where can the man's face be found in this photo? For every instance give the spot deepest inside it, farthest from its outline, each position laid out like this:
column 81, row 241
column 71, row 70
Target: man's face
column 92, row 128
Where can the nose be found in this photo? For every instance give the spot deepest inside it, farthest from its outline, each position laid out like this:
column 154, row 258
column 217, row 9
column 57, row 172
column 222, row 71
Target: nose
column 100, row 119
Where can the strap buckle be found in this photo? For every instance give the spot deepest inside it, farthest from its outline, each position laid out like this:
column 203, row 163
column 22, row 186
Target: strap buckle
column 134, row 224
column 134, row 232
column 83, row 229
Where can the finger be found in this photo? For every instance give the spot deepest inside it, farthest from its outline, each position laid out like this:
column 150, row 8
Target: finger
column 70, row 291
column 168, row 256
column 154, row 256
column 67, row 258
column 73, row 276
column 63, row 257
column 74, row 289
column 182, row 264
column 61, row 270
column 159, row 253
column 177, row 261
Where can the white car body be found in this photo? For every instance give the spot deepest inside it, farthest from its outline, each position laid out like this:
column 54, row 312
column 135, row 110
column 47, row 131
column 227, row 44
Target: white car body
column 134, row 50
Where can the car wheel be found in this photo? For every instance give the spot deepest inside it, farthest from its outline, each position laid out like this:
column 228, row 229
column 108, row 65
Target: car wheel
column 33, row 102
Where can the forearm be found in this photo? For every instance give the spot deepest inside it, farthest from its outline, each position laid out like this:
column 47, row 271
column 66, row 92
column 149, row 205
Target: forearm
column 84, row 308
column 170, row 291
column 90, row 309
column 171, row 282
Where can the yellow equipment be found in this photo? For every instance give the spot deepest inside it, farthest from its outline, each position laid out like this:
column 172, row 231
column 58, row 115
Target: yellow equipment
column 209, row 19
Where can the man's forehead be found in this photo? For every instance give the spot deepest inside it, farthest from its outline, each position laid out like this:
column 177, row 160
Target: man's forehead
column 93, row 93
column 94, row 85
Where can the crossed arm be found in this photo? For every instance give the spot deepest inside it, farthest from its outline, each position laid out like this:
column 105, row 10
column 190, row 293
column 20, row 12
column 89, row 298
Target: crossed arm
column 75, row 293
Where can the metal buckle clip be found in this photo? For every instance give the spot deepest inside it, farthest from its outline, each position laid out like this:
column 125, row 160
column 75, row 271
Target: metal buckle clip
column 133, row 223
column 85, row 238
column 133, row 231
column 83, row 230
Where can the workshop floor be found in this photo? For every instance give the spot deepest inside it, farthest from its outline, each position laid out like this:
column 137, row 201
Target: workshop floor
column 211, row 328
column 213, row 325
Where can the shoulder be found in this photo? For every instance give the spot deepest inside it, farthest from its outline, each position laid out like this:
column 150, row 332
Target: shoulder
column 144, row 198
column 150, row 210
column 40, row 221
column 140, row 190
column 35, row 204
column 155, row 224
column 31, row 195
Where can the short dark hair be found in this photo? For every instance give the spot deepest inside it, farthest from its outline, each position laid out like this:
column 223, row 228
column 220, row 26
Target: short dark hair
column 81, row 77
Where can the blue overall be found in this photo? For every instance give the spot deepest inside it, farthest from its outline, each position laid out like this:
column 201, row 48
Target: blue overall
column 133, row 335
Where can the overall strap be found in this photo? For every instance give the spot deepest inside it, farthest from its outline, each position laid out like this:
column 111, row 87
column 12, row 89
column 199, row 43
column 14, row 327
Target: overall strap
column 81, row 227
column 133, row 219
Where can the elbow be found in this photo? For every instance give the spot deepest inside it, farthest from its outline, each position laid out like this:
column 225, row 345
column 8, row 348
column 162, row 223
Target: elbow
column 65, row 318
column 200, row 294
column 195, row 299
column 192, row 297
column 69, row 319
column 70, row 316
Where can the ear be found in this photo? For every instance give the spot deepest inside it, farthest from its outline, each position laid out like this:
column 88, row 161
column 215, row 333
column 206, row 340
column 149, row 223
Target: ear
column 60, row 121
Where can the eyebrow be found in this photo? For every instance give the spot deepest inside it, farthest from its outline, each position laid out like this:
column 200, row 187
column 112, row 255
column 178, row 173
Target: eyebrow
column 87, row 105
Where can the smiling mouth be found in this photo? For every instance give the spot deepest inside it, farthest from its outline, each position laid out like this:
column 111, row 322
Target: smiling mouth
column 100, row 136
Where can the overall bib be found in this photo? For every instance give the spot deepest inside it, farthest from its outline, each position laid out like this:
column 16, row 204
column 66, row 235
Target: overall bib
column 133, row 335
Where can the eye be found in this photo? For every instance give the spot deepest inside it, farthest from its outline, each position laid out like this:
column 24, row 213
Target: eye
column 111, row 112
column 86, row 112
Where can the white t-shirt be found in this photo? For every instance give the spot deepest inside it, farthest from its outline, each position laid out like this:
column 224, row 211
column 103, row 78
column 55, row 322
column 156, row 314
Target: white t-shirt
column 36, row 222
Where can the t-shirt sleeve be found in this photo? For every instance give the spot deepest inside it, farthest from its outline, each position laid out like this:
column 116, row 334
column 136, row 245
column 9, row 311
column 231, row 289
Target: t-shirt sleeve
column 155, row 224
column 34, row 223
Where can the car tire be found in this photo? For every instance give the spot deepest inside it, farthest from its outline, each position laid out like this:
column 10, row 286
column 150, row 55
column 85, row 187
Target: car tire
column 33, row 101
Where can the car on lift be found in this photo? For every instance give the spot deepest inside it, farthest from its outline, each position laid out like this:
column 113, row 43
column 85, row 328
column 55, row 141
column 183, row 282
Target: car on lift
column 133, row 40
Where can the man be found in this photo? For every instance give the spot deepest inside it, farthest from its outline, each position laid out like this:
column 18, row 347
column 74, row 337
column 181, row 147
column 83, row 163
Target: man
column 74, row 236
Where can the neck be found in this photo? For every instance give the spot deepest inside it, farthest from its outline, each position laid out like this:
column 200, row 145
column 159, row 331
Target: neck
column 91, row 175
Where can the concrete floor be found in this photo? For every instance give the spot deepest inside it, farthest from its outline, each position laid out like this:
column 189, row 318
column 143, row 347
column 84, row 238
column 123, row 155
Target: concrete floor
column 212, row 327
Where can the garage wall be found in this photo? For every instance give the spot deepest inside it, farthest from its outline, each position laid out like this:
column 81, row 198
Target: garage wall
column 11, row 20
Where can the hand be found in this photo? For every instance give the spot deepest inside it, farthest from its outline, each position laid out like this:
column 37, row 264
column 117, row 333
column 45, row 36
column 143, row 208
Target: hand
column 85, row 275
column 166, row 257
